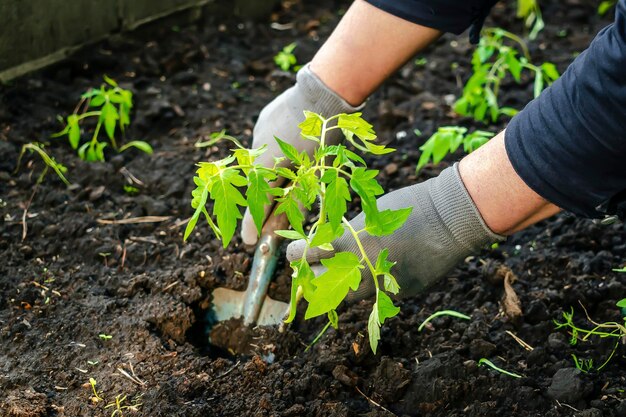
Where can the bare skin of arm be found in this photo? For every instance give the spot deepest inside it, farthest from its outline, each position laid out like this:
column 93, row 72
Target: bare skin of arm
column 369, row 45
column 505, row 202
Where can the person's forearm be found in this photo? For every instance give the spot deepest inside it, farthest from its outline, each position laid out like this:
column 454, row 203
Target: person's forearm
column 504, row 201
column 367, row 46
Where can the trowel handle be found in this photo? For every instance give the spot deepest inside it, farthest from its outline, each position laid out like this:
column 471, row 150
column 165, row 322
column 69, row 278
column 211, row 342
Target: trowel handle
column 263, row 266
column 275, row 222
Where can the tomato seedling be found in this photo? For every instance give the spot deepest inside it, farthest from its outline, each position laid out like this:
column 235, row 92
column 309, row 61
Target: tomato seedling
column 285, row 59
column 113, row 105
column 447, row 140
column 492, row 61
column 310, row 180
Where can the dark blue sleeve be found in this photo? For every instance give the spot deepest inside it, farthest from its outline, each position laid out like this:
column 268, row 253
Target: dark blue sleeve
column 452, row 16
column 569, row 144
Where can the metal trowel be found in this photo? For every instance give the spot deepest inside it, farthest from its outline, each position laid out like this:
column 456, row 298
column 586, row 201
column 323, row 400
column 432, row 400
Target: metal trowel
column 253, row 304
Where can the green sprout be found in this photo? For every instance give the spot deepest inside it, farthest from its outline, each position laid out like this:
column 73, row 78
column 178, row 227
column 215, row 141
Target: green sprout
column 96, row 395
column 50, row 162
column 492, row 61
column 312, row 181
column 119, row 407
column 604, row 330
column 285, row 59
column 484, row 361
column 530, row 12
column 115, row 104
column 584, row 365
column 446, row 140
column 450, row 313
column 105, row 336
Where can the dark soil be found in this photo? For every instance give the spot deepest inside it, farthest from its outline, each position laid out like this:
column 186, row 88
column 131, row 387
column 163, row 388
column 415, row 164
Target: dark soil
column 73, row 278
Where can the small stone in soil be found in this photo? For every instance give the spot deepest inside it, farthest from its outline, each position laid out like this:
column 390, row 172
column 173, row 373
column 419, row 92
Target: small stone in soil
column 568, row 386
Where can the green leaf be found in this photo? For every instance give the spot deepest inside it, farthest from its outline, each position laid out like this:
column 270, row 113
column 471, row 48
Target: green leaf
column 289, row 151
column 109, row 81
column 343, row 273
column 139, row 144
column 363, row 182
column 337, row 194
column 290, row 234
column 383, row 267
column 312, row 125
column 383, row 309
column 257, row 194
column 286, row 173
column 290, row 207
column 508, row 111
column 73, row 130
column 97, row 99
column 326, row 233
column 356, row 125
column 109, row 116
column 82, row 150
column 621, row 303
column 387, row 221
column 373, row 328
column 204, row 181
column 515, row 67
column 302, row 277
column 246, row 156
column 549, row 70
column 333, row 318
column 386, row 309
column 227, row 198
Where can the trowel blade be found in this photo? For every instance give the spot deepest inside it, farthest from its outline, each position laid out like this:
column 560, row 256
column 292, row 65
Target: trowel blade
column 228, row 304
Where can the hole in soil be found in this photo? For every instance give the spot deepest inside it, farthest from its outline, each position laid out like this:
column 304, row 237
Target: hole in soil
column 200, row 332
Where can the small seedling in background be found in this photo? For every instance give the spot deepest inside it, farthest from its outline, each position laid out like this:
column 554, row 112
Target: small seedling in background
column 131, row 189
column 115, row 104
column 609, row 329
column 450, row 313
column 50, row 162
column 216, row 137
column 530, row 12
column 104, row 336
column 584, row 365
column 605, row 6
column 492, row 61
column 420, row 62
column 285, row 59
column 484, row 361
column 119, row 407
column 446, row 140
column 312, row 180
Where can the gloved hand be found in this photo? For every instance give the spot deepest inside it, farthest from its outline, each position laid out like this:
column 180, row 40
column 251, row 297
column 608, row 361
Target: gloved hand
column 443, row 228
column 281, row 117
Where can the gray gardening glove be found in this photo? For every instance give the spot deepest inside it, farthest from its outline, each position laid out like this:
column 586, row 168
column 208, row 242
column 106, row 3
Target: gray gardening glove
column 443, row 228
column 281, row 117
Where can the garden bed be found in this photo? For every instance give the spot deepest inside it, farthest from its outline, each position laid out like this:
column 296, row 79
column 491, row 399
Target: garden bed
column 80, row 273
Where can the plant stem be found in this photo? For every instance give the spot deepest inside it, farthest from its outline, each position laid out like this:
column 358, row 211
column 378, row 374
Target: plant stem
column 355, row 235
column 319, row 335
